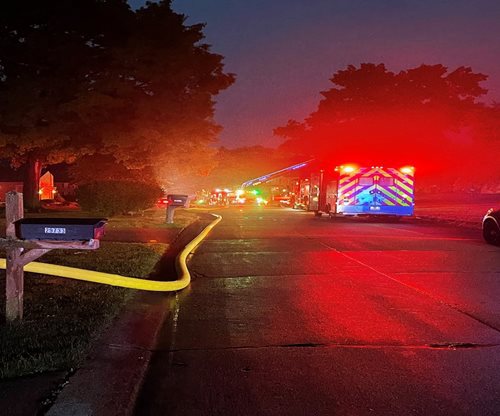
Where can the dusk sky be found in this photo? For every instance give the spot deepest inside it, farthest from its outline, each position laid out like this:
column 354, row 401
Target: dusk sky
column 284, row 51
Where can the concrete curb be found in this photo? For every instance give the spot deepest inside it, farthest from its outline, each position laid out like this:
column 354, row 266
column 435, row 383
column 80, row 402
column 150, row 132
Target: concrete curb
column 109, row 381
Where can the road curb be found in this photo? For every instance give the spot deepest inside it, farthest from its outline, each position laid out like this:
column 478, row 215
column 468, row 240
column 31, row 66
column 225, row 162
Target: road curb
column 109, row 380
column 446, row 221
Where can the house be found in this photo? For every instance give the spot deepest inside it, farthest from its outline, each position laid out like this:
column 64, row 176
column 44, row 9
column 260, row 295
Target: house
column 12, row 180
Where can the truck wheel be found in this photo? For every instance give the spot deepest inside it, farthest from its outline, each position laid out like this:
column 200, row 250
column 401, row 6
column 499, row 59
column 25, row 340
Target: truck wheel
column 318, row 214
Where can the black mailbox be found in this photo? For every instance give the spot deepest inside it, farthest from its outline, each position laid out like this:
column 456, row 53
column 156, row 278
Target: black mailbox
column 178, row 200
column 62, row 229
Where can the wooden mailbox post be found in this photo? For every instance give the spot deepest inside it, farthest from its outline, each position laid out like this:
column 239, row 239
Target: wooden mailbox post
column 21, row 252
column 14, row 273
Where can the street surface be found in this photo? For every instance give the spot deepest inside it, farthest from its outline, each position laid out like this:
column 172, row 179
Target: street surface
column 466, row 209
column 289, row 314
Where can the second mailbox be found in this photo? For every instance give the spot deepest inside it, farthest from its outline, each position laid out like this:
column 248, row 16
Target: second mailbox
column 175, row 200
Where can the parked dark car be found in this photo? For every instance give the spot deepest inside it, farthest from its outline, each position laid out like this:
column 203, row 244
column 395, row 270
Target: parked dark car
column 491, row 226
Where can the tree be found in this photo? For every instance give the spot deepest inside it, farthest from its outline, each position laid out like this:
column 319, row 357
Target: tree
column 372, row 115
column 83, row 170
column 79, row 77
column 43, row 60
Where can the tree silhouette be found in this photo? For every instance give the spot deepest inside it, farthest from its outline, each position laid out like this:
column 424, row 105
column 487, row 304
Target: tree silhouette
column 372, row 115
column 79, row 77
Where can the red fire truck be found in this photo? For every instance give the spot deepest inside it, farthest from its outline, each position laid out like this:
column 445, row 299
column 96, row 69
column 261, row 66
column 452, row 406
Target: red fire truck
column 348, row 189
column 355, row 190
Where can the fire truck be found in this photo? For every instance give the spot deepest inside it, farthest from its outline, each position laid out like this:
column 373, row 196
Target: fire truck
column 355, row 190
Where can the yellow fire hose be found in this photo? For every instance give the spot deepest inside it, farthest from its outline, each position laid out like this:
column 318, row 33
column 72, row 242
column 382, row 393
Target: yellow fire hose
column 123, row 281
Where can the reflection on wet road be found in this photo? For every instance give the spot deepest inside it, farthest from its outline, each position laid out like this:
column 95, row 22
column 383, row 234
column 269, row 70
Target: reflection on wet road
column 290, row 314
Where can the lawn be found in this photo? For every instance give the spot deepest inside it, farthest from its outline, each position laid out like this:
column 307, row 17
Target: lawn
column 151, row 218
column 62, row 317
column 155, row 218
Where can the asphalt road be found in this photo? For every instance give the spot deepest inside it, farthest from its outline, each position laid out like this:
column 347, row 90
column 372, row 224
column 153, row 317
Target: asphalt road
column 294, row 315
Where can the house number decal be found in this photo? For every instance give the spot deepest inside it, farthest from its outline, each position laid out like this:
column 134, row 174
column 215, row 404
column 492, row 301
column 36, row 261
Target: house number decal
column 55, row 230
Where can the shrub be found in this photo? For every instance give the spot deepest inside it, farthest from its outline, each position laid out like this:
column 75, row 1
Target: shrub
column 117, row 197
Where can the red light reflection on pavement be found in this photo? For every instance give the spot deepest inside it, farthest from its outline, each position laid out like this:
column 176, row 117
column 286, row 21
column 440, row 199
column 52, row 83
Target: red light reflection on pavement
column 367, row 307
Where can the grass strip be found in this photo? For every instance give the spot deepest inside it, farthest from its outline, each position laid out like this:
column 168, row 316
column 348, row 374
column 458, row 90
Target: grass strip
column 62, row 317
column 151, row 218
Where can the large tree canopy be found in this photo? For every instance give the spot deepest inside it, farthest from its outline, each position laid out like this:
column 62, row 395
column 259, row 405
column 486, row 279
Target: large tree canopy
column 427, row 116
column 79, row 77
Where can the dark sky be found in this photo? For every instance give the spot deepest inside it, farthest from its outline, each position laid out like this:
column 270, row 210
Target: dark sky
column 284, row 51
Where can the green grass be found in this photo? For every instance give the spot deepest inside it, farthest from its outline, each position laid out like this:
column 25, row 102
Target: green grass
column 127, row 259
column 62, row 317
column 152, row 218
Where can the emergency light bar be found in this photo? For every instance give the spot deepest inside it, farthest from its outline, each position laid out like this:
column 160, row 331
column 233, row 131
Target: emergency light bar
column 408, row 170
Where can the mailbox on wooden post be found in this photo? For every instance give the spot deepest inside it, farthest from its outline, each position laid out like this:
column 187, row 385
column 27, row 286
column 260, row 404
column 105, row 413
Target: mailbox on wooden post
column 175, row 201
column 61, row 229
column 29, row 238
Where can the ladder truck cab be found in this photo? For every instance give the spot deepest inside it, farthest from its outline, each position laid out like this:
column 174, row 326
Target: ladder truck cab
column 354, row 190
